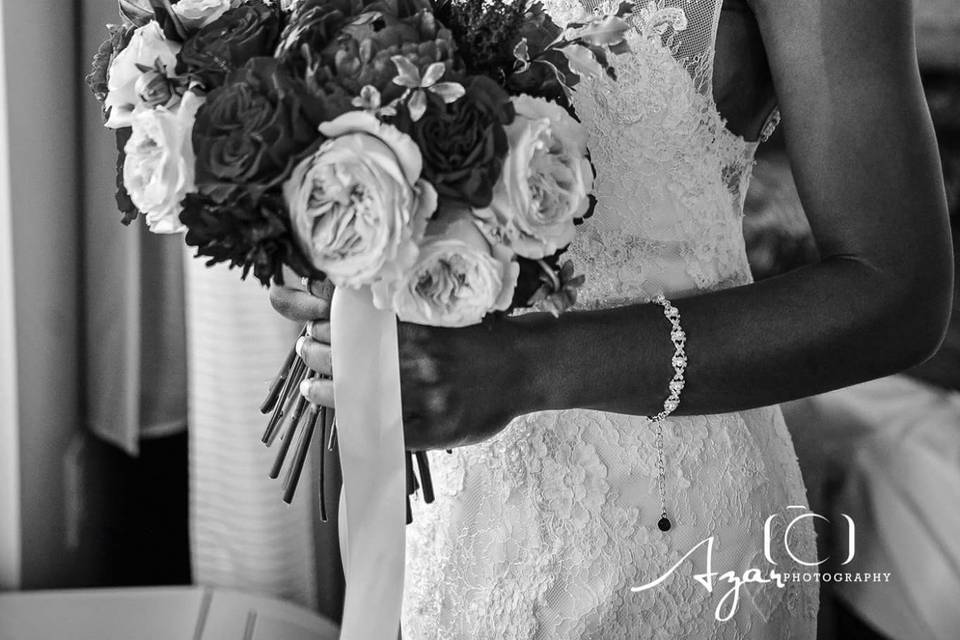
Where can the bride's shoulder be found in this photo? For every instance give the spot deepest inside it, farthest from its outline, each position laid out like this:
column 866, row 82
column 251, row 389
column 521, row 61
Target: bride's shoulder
column 821, row 13
column 831, row 32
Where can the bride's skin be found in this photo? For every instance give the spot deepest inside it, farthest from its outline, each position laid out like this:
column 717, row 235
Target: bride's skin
column 862, row 148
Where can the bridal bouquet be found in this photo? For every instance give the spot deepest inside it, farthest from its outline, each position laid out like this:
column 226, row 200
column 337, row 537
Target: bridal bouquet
column 422, row 156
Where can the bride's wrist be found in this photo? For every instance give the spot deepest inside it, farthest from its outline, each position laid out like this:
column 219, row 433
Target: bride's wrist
column 545, row 354
column 612, row 360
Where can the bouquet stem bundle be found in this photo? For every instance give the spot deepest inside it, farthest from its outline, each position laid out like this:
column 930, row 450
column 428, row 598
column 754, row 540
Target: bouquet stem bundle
column 293, row 417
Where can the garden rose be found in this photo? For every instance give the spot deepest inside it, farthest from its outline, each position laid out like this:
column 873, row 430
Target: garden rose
column 159, row 167
column 196, row 14
column 227, row 43
column 545, row 183
column 464, row 143
column 358, row 205
column 251, row 131
column 148, row 48
column 458, row 277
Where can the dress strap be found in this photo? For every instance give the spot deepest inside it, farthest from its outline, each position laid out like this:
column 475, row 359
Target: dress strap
column 689, row 28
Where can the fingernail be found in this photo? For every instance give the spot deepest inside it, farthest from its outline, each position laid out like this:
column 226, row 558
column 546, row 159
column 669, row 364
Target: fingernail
column 305, row 389
column 302, row 340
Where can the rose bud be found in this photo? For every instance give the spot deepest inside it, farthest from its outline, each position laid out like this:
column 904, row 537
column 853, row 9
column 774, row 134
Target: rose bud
column 155, row 90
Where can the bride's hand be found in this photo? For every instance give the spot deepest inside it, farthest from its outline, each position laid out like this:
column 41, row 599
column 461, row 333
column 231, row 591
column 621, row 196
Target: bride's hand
column 458, row 386
column 461, row 386
column 294, row 302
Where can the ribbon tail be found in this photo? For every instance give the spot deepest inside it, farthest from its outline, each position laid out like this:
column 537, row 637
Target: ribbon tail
column 366, row 367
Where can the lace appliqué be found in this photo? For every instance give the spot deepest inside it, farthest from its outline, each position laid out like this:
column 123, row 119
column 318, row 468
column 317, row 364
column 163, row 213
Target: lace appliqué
column 652, row 20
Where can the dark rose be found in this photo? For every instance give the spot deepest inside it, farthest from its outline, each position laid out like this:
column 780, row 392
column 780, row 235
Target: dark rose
column 314, row 24
column 240, row 34
column 463, row 143
column 246, row 233
column 250, row 132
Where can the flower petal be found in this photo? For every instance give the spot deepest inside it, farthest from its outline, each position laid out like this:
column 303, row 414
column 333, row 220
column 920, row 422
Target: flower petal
column 407, row 73
column 607, row 30
column 417, row 105
column 434, row 72
column 449, row 91
column 521, row 52
column 582, row 61
column 402, row 145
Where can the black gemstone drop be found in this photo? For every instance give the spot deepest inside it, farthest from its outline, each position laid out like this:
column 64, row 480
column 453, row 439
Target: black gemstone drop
column 664, row 524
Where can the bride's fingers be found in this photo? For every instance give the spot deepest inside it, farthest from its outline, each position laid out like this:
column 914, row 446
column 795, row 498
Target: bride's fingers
column 320, row 288
column 319, row 330
column 318, row 391
column 298, row 305
column 316, row 355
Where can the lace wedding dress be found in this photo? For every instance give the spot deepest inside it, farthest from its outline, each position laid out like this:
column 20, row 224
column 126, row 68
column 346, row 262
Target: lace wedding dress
column 541, row 531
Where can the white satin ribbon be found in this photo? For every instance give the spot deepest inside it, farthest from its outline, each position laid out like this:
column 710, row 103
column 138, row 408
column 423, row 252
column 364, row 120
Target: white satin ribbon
column 372, row 522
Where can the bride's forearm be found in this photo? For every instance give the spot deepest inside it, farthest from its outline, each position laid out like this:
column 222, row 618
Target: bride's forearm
column 816, row 329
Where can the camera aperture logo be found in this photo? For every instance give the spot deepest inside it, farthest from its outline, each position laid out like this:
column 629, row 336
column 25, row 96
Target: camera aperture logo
column 730, row 600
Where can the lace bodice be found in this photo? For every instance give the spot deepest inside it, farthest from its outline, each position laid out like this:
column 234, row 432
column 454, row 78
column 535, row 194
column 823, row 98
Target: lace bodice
column 541, row 531
column 671, row 177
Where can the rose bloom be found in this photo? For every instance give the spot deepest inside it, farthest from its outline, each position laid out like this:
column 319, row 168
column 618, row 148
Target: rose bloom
column 248, row 31
column 358, row 206
column 159, row 167
column 464, row 143
column 253, row 129
column 545, row 183
column 458, row 277
column 196, row 14
column 147, row 46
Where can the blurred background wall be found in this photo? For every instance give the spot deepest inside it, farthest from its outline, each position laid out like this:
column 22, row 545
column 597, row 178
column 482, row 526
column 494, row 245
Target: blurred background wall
column 42, row 118
column 938, row 26
column 9, row 435
column 90, row 355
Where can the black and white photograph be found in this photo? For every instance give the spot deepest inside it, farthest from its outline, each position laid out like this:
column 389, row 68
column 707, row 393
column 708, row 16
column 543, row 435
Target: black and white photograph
column 479, row 320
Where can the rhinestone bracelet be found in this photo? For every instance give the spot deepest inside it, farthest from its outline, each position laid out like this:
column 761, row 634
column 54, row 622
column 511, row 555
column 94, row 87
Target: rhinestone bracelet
column 679, row 362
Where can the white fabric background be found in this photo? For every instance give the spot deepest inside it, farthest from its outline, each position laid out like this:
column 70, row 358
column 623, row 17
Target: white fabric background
column 243, row 535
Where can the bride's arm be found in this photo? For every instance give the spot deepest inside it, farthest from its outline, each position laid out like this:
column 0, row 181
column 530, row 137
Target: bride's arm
column 863, row 152
column 862, row 148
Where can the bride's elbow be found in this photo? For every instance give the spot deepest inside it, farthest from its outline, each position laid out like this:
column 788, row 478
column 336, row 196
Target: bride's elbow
column 918, row 314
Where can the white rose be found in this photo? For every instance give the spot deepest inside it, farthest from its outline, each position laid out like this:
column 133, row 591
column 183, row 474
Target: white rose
column 545, row 183
column 196, row 14
column 457, row 279
column 159, row 167
column 148, row 48
column 358, row 205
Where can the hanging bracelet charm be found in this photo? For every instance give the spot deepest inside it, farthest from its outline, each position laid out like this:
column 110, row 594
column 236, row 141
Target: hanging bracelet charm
column 679, row 362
